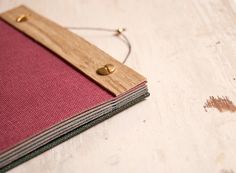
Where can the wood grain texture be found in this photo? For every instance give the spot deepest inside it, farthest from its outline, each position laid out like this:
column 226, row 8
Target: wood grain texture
column 75, row 50
column 186, row 49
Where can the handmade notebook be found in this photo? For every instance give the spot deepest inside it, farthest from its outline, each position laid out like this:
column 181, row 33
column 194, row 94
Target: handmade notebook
column 54, row 85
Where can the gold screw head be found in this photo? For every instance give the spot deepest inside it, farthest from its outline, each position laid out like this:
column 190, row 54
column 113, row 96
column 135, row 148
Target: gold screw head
column 106, row 70
column 21, row 18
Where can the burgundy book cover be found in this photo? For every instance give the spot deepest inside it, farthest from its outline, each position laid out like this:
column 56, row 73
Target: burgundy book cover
column 39, row 92
column 39, row 88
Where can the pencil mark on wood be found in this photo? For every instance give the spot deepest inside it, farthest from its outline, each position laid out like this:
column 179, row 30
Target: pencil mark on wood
column 113, row 160
column 222, row 104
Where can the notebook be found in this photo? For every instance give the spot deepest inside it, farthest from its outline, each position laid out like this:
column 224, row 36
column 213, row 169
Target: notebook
column 50, row 88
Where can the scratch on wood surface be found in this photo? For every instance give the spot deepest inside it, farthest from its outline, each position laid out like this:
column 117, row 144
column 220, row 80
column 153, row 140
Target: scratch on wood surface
column 221, row 103
column 226, row 171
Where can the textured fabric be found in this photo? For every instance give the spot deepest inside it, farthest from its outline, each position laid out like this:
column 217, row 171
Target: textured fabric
column 71, row 134
column 38, row 89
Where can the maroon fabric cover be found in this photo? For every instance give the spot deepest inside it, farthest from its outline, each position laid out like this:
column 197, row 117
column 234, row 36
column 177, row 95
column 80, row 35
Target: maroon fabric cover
column 38, row 89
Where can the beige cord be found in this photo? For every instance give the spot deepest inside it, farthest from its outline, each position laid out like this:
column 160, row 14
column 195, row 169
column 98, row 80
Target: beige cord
column 117, row 32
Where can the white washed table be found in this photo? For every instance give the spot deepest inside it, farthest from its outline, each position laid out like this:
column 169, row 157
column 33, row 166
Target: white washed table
column 187, row 50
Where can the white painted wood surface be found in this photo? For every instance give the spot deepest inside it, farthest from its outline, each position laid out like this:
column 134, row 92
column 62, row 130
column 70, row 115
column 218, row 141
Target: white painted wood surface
column 187, row 50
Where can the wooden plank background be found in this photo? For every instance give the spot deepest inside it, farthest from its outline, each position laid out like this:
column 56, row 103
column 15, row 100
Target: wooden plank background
column 186, row 49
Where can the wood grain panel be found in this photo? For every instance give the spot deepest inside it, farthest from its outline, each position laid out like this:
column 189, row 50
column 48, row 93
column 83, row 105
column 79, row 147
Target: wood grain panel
column 75, row 50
